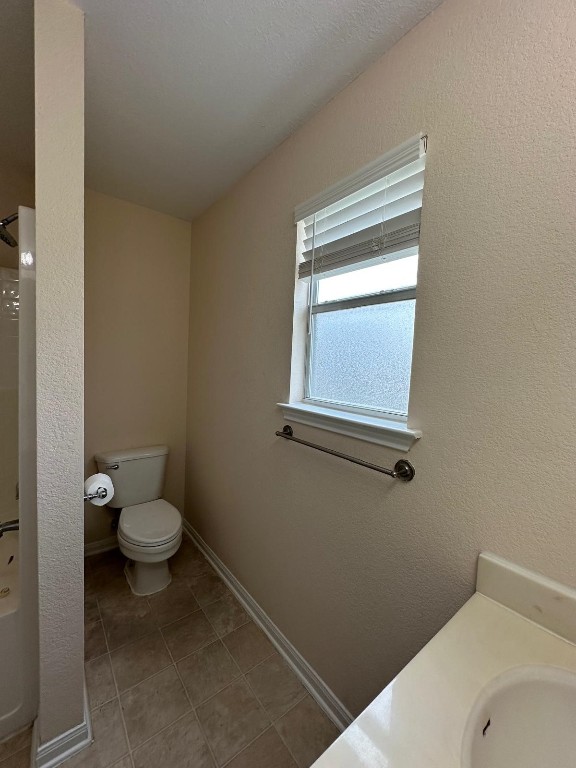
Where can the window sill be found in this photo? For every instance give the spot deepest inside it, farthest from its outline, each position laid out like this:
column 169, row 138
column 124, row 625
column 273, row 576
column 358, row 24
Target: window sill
column 373, row 429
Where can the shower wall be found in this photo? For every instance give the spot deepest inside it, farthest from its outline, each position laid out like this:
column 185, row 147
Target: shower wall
column 16, row 188
column 9, row 302
column 18, row 588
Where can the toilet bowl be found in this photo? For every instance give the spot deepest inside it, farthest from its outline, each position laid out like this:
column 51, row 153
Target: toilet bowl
column 148, row 534
column 149, row 527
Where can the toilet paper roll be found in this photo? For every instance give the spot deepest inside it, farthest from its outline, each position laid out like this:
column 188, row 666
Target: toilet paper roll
column 93, row 483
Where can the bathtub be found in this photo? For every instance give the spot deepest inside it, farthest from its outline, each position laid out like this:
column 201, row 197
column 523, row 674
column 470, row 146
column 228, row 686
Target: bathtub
column 9, row 581
column 12, row 680
column 18, row 638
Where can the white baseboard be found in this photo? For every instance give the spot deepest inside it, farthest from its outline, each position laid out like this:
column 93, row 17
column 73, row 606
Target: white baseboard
column 104, row 545
column 317, row 688
column 67, row 744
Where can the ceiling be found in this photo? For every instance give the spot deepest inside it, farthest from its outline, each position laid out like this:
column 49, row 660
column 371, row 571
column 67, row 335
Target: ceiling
column 184, row 96
column 17, row 87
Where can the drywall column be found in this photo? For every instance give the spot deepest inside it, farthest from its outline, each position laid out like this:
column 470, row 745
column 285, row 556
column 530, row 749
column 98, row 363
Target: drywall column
column 59, row 83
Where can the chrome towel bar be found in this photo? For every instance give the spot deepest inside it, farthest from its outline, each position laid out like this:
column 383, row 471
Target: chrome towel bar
column 403, row 470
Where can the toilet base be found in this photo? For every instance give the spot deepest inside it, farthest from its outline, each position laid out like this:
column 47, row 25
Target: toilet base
column 147, row 578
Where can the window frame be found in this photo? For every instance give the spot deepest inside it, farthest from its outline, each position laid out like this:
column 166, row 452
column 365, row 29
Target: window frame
column 375, row 425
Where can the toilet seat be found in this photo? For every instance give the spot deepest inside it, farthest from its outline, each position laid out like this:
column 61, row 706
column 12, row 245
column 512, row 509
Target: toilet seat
column 152, row 524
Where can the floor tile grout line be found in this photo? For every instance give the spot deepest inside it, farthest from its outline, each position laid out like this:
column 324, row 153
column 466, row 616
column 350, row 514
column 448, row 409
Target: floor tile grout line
column 145, row 679
column 165, row 626
column 93, row 658
column 169, row 623
column 105, row 641
column 157, row 626
column 232, row 659
column 204, row 734
column 136, row 639
column 208, row 745
column 149, row 677
column 215, row 693
column 172, row 662
column 305, row 691
column 240, row 673
column 15, row 735
column 205, row 644
column 275, row 725
column 293, row 706
column 283, row 740
column 4, row 760
column 164, row 728
column 181, row 617
column 217, row 638
column 211, row 601
column 253, row 692
column 102, row 703
column 262, row 661
column 123, row 720
column 97, row 608
column 175, row 663
column 250, row 686
column 161, row 626
column 247, row 746
column 273, row 720
column 229, row 632
column 128, row 744
column 196, row 707
column 267, row 658
column 201, row 648
column 241, row 676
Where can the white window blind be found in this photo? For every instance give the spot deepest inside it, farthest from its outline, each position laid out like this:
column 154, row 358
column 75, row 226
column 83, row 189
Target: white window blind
column 370, row 215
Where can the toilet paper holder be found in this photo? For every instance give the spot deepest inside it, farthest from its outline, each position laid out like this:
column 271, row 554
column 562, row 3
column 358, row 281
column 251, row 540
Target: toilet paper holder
column 98, row 489
column 101, row 493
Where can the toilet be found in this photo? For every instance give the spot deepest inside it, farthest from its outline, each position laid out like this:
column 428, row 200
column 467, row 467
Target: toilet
column 149, row 529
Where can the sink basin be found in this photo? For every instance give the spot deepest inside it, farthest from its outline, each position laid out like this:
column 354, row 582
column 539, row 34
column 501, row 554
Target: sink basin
column 524, row 718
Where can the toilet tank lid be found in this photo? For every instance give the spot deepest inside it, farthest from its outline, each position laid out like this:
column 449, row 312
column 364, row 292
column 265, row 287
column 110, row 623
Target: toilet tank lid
column 130, row 454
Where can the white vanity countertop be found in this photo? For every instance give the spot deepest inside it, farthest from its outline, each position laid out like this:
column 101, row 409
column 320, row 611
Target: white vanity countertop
column 418, row 720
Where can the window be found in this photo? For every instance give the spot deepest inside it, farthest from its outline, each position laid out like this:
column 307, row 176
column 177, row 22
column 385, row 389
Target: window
column 356, row 300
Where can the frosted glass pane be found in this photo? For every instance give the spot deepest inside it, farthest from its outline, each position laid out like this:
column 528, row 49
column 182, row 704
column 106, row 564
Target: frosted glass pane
column 362, row 356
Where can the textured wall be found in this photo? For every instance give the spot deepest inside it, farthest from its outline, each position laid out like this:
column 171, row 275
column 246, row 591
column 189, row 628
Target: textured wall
column 136, row 338
column 357, row 570
column 59, row 83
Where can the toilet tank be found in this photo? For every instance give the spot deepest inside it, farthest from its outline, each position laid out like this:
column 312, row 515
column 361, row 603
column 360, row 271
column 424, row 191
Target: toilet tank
column 137, row 474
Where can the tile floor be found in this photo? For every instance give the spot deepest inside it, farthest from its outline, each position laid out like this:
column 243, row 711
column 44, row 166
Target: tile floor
column 184, row 679
column 15, row 752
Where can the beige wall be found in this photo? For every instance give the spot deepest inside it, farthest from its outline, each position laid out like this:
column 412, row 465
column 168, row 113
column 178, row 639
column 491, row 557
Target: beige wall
column 136, row 338
column 59, row 114
column 357, row 570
